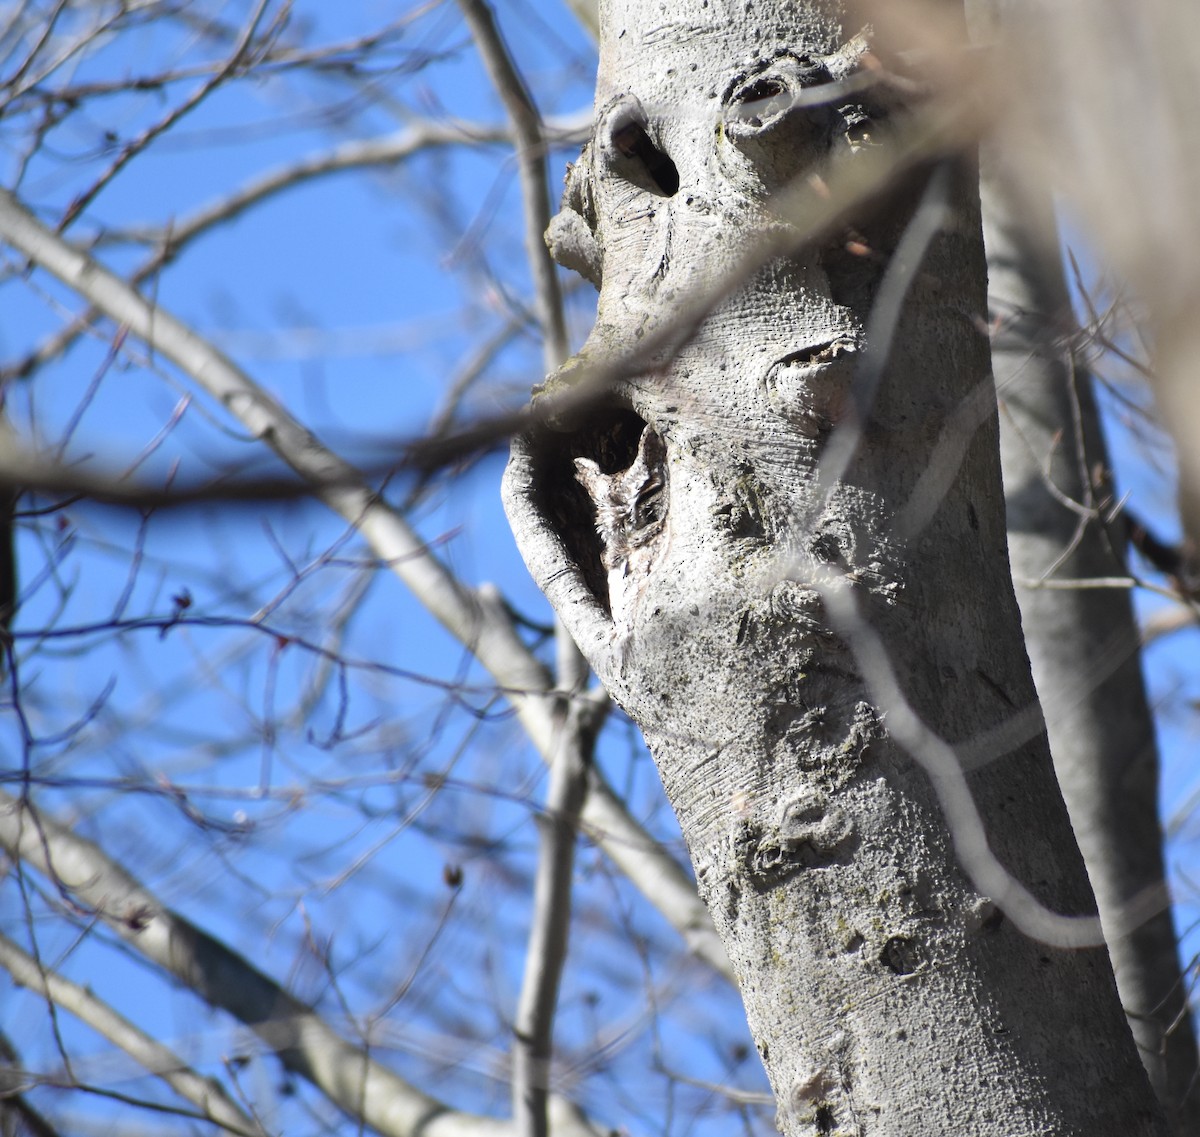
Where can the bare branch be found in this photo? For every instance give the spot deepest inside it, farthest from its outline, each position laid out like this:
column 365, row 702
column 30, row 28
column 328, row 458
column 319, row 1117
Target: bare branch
column 137, row 145
column 17, row 1116
column 534, row 1027
column 355, row 155
column 360, row 154
column 549, row 930
column 304, row 1042
column 206, row 1094
column 588, row 14
column 531, row 161
column 484, row 629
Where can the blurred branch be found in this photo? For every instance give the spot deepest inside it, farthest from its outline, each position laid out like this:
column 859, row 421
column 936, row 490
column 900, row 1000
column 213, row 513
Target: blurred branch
column 587, row 12
column 355, row 155
column 548, row 936
column 360, row 154
column 531, row 162
column 533, row 1029
column 26, row 471
column 1144, row 223
column 17, row 1117
column 486, row 630
column 1167, row 622
column 24, row 77
column 302, row 1040
column 342, row 56
column 468, row 374
column 204, row 1093
column 382, row 153
column 1172, row 561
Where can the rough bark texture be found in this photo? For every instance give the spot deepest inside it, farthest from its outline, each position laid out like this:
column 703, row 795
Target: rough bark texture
column 731, row 595
column 1083, row 643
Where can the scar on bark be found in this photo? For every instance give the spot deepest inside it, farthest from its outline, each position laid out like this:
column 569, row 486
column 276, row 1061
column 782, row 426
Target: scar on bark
column 809, row 831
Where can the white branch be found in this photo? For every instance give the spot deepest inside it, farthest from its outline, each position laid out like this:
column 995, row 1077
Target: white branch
column 389, row 150
column 550, row 927
column 533, row 1028
column 358, row 154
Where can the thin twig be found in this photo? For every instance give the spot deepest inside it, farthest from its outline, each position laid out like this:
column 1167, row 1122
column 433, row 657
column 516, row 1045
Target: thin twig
column 16, row 1114
column 360, row 154
column 137, row 145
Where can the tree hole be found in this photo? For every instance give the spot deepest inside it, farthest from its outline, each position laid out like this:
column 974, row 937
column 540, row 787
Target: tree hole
column 630, row 140
column 900, row 955
column 610, row 439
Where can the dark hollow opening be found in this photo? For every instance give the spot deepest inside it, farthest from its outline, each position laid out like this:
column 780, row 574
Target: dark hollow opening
column 610, row 439
column 632, row 141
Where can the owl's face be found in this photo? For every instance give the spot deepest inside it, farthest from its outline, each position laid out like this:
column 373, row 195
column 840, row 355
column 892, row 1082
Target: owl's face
column 631, row 505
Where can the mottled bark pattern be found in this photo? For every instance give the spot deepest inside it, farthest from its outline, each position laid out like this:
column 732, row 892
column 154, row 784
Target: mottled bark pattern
column 886, row 994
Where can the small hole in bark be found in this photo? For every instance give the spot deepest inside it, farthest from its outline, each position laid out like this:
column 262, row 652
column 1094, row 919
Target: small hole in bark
column 860, row 128
column 761, row 100
column 825, row 547
column 630, row 140
column 824, row 1118
column 899, row 955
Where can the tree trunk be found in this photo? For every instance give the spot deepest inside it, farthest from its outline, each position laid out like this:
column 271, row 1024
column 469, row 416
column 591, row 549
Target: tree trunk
column 1083, row 642
column 787, row 562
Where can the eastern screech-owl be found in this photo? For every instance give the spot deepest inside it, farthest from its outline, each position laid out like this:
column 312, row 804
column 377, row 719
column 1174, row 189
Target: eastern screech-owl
column 631, row 509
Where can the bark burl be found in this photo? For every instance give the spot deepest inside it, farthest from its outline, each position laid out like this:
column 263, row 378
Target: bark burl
column 781, row 546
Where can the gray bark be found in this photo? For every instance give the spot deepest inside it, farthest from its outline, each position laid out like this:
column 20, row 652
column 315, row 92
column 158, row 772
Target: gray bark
column 796, row 622
column 1083, row 643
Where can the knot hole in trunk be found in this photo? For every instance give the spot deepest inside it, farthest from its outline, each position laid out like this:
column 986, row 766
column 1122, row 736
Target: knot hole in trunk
column 633, row 153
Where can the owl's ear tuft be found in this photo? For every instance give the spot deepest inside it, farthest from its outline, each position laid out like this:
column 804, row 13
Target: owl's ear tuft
column 589, row 476
column 652, row 447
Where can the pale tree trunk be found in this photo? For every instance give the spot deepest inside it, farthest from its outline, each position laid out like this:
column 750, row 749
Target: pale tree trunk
column 1083, row 641
column 800, row 587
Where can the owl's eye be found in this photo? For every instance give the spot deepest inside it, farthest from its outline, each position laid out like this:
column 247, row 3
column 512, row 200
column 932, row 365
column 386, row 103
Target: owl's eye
column 648, row 503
